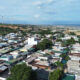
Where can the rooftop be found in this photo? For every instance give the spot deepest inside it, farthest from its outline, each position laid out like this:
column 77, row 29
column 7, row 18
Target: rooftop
column 68, row 77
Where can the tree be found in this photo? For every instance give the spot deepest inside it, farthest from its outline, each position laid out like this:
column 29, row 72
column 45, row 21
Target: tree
column 33, row 75
column 72, row 41
column 59, row 64
column 79, row 40
column 56, row 75
column 21, row 72
column 51, row 37
column 68, row 42
column 65, row 57
column 44, row 44
column 43, row 32
column 23, row 33
column 72, row 33
column 6, row 30
column 58, row 40
column 59, row 34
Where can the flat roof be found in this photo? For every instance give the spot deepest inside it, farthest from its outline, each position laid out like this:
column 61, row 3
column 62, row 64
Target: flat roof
column 2, row 68
column 68, row 77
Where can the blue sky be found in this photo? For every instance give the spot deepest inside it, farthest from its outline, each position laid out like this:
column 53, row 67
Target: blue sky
column 40, row 11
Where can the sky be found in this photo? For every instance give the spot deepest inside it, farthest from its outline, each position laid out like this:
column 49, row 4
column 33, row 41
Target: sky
column 40, row 11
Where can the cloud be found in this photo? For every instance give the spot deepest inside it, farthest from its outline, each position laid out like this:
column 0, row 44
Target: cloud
column 46, row 7
column 50, row 12
column 2, row 7
column 37, row 15
column 39, row 7
column 41, row 10
column 38, row 3
column 43, row 3
column 50, row 1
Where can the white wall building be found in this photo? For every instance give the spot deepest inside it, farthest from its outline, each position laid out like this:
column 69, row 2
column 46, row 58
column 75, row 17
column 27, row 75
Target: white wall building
column 32, row 41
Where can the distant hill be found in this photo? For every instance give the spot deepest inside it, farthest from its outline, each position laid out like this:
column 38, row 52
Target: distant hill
column 6, row 30
column 11, row 26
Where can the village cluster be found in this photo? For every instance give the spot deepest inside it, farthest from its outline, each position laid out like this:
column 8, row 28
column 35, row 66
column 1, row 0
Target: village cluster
column 16, row 49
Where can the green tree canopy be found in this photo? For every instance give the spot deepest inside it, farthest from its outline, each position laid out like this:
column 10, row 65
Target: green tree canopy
column 6, row 30
column 59, row 64
column 59, row 40
column 72, row 33
column 59, row 34
column 44, row 44
column 79, row 40
column 65, row 57
column 21, row 72
column 56, row 75
column 68, row 42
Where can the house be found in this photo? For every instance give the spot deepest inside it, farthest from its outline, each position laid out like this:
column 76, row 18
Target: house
column 4, row 50
column 32, row 41
column 69, row 37
column 42, row 74
column 74, row 67
column 5, row 39
column 38, row 60
column 48, row 36
column 75, row 48
column 74, row 64
column 3, row 68
column 1, row 37
column 42, row 64
column 57, row 44
column 1, row 78
column 47, row 51
column 11, row 35
column 12, row 41
column 42, row 58
column 15, row 54
column 6, row 57
column 3, row 44
column 68, row 77
column 30, row 60
column 23, row 49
